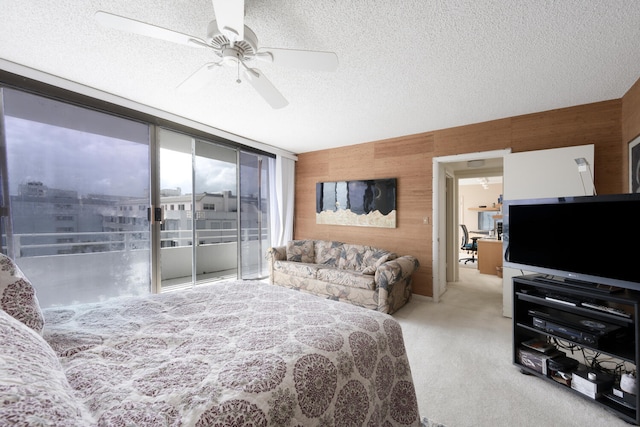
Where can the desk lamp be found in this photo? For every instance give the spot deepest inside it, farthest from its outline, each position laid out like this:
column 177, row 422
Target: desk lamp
column 583, row 166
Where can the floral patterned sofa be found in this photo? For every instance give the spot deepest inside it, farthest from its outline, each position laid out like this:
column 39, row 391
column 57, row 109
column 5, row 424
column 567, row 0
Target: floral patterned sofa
column 362, row 275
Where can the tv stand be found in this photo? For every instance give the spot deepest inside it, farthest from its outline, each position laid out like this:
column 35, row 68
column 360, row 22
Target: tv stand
column 556, row 323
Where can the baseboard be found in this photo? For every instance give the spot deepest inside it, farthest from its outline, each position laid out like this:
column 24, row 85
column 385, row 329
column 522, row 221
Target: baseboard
column 422, row 298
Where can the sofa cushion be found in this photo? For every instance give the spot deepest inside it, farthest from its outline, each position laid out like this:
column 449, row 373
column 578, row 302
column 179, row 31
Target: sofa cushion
column 17, row 295
column 364, row 259
column 33, row 387
column 352, row 279
column 352, row 256
column 298, row 269
column 328, row 252
column 300, row 251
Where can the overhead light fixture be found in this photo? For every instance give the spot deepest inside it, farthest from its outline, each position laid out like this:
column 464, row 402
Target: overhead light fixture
column 484, row 181
column 475, row 163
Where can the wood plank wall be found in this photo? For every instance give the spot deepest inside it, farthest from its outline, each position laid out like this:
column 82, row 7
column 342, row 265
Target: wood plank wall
column 409, row 159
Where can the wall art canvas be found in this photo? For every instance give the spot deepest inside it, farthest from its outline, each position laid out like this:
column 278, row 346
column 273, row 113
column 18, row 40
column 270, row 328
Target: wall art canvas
column 634, row 166
column 366, row 203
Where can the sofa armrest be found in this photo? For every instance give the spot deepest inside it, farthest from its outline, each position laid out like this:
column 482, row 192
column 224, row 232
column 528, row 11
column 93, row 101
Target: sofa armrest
column 393, row 282
column 395, row 270
column 275, row 253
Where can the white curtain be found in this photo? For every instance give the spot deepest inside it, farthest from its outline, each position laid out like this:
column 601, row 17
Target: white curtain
column 281, row 190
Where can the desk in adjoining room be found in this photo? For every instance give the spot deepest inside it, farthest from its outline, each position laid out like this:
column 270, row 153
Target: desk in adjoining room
column 489, row 255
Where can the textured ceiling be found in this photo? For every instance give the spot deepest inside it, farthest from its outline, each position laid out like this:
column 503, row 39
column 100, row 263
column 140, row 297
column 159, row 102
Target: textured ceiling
column 406, row 66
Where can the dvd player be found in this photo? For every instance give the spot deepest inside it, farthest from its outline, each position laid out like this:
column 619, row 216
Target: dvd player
column 574, row 328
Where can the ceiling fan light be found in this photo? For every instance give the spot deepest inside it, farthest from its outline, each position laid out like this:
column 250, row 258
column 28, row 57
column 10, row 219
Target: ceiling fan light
column 229, row 60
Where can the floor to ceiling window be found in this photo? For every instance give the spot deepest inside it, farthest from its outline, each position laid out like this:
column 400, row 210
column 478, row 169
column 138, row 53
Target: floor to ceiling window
column 76, row 193
column 96, row 205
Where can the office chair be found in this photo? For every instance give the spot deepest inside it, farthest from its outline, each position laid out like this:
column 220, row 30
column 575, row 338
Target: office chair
column 469, row 244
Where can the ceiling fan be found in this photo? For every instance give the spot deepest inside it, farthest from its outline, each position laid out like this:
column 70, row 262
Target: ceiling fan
column 233, row 44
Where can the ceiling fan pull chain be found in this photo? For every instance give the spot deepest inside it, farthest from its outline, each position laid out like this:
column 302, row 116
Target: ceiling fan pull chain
column 238, row 79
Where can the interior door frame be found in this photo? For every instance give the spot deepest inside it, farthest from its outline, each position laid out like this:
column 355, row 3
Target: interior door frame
column 445, row 216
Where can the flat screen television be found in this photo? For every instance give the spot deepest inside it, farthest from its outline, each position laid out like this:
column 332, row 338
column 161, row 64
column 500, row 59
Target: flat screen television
column 582, row 240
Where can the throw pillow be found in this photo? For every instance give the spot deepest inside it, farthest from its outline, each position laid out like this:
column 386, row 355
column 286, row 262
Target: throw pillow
column 17, row 295
column 300, row 251
column 33, row 387
column 328, row 252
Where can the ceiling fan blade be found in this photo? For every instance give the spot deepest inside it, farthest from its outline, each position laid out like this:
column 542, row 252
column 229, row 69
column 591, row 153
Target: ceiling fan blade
column 137, row 27
column 199, row 78
column 230, row 18
column 265, row 88
column 307, row 59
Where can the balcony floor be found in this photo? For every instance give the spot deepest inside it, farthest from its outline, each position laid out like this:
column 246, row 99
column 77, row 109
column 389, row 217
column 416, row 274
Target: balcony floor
column 181, row 283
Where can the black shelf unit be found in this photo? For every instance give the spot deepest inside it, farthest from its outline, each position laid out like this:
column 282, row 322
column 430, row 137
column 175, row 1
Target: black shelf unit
column 540, row 300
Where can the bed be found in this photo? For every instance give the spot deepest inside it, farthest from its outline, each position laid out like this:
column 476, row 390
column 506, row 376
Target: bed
column 235, row 353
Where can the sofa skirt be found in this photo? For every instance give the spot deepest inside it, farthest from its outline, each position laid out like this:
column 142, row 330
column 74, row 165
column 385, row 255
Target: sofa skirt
column 363, row 297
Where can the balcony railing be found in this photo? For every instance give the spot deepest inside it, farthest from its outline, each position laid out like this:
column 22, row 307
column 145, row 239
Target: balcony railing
column 47, row 244
column 70, row 268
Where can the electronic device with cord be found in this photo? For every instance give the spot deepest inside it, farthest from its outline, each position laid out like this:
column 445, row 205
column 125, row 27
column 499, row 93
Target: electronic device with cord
column 591, row 383
column 560, row 237
column 596, row 334
column 572, row 327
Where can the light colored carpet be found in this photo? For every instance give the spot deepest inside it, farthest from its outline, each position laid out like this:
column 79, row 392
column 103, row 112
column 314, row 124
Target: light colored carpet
column 461, row 360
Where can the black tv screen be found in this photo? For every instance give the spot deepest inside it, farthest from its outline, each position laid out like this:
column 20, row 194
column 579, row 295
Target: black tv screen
column 593, row 239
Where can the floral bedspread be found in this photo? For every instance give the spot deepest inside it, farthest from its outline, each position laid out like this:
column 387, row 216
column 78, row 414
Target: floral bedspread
column 234, row 354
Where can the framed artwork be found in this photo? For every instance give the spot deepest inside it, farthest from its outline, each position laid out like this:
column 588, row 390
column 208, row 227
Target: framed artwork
column 634, row 165
column 366, row 203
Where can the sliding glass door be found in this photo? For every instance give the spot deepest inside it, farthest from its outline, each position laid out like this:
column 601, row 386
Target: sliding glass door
column 254, row 211
column 75, row 198
column 198, row 196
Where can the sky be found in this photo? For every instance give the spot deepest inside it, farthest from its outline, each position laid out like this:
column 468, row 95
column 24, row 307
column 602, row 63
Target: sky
column 92, row 163
column 212, row 175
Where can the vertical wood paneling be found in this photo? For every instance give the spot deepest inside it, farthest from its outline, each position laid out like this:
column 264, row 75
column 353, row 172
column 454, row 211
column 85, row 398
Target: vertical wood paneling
column 493, row 135
column 409, row 159
column 406, row 159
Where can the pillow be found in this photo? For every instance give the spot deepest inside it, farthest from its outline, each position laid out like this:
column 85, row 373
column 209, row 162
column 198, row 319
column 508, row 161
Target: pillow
column 17, row 295
column 352, row 256
column 33, row 387
column 300, row 251
column 328, row 252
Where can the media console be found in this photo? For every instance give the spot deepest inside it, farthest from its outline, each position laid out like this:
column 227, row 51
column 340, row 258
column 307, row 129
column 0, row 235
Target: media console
column 584, row 338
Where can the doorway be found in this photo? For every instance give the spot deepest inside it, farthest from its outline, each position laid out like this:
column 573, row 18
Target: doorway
column 446, row 216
